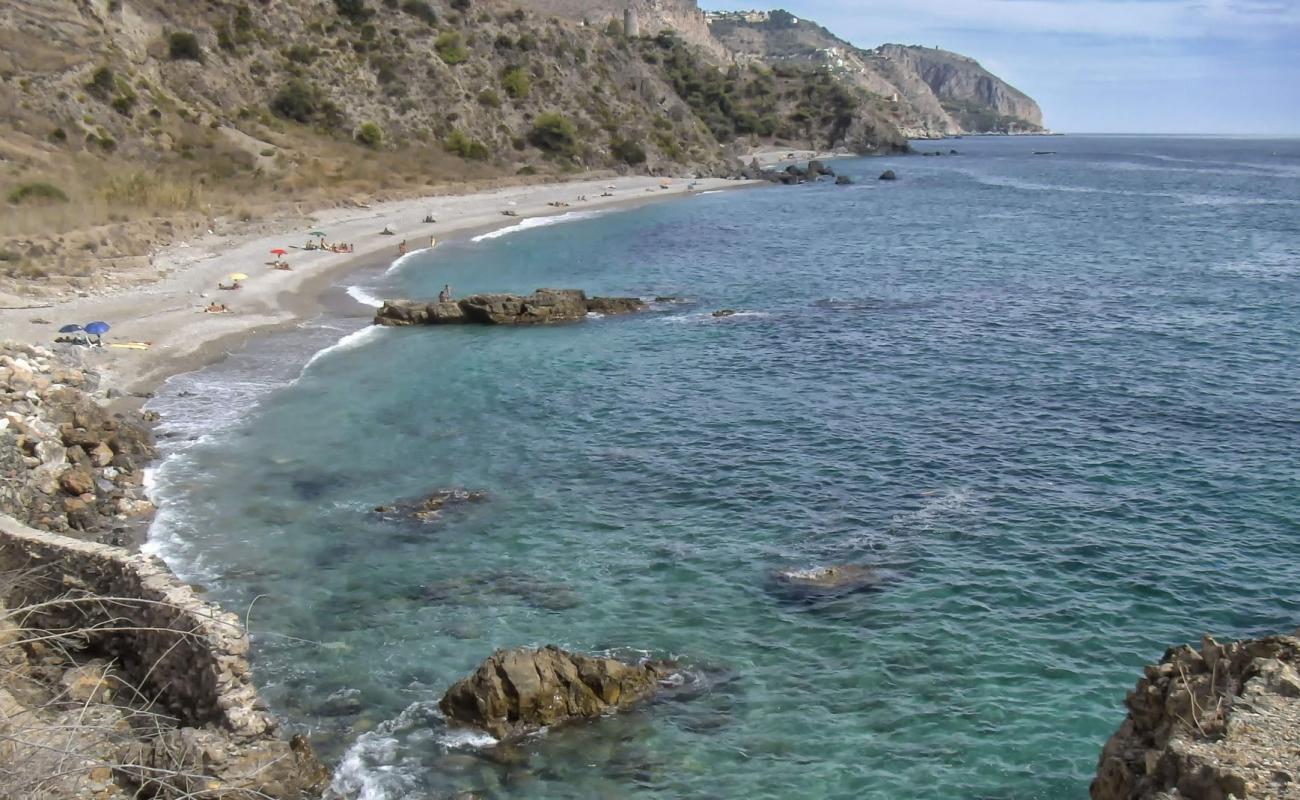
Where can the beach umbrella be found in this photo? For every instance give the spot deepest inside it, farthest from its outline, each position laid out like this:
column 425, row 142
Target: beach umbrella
column 279, row 251
column 97, row 328
column 70, row 329
column 236, row 276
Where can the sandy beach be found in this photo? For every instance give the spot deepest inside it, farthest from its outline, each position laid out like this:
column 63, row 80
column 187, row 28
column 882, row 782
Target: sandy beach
column 169, row 314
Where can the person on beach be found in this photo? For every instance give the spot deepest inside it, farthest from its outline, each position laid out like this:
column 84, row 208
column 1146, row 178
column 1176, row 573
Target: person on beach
column 401, row 248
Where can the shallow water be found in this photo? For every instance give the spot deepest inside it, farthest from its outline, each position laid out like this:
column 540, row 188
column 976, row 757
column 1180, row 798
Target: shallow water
column 1051, row 398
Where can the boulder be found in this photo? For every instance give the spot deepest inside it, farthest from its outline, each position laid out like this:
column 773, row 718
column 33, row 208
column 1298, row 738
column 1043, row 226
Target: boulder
column 819, row 168
column 515, row 692
column 541, row 307
column 888, row 175
column 843, row 180
column 78, row 481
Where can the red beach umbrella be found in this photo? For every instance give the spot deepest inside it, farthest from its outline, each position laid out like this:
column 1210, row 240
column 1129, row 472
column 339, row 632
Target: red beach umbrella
column 279, row 251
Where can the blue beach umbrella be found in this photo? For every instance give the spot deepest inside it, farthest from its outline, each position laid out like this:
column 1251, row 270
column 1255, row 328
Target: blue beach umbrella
column 97, row 329
column 70, row 329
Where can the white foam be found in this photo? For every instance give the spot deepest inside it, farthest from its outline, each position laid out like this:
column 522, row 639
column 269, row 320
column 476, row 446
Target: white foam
column 536, row 222
column 363, row 297
column 402, row 260
column 352, row 341
column 711, row 191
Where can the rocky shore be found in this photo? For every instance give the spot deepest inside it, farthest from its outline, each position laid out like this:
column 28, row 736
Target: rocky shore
column 116, row 679
column 67, row 463
column 1209, row 724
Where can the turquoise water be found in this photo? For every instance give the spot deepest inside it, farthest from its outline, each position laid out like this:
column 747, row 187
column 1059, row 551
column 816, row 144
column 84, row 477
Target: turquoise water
column 1052, row 398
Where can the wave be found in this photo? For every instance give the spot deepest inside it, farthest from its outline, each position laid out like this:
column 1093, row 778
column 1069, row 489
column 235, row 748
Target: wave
column 536, row 222
column 363, row 297
column 402, row 260
column 1181, row 197
column 707, row 318
column 710, row 191
column 350, row 342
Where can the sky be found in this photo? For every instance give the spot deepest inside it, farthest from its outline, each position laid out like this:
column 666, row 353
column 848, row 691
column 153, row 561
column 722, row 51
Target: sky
column 1105, row 66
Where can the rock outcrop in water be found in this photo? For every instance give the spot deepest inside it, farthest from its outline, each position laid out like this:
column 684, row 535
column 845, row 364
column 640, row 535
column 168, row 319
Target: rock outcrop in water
column 541, row 307
column 430, row 508
column 1220, row 722
column 817, row 583
column 519, row 691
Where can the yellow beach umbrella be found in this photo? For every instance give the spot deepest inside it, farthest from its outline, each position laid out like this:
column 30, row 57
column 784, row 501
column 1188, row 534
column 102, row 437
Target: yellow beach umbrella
column 238, row 276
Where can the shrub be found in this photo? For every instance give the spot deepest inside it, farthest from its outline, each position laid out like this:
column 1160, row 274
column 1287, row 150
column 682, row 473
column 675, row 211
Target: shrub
column 38, row 192
column 555, row 134
column 302, row 102
column 354, row 11
column 526, row 41
column 628, row 151
column 123, row 104
column 370, row 135
column 527, row 169
column 450, row 47
column 421, row 10
column 102, row 81
column 503, row 42
column 301, row 53
column 459, row 143
column 516, row 82
column 58, row 136
column 460, row 5
column 184, row 46
column 489, row 98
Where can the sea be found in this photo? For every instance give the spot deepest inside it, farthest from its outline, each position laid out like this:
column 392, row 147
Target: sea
column 1051, row 400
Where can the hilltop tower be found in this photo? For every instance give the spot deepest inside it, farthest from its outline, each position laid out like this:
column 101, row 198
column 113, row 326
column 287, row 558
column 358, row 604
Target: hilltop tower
column 631, row 23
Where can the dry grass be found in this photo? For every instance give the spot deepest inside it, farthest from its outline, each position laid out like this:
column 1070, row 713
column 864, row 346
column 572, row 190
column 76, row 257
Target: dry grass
column 64, row 744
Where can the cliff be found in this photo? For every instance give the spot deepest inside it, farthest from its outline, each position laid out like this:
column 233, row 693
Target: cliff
column 978, row 100
column 924, row 92
column 1222, row 721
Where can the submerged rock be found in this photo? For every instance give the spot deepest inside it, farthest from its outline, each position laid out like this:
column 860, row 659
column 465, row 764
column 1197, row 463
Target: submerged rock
column 843, row 180
column 826, row 581
column 540, row 307
column 1215, row 723
column 888, row 175
column 725, row 312
column 431, row 506
column 518, row 691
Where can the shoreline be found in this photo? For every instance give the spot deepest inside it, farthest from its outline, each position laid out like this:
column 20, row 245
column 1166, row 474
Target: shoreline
column 168, row 313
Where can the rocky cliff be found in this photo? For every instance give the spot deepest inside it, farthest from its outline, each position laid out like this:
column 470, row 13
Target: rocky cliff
column 978, row 100
column 925, row 92
column 1209, row 724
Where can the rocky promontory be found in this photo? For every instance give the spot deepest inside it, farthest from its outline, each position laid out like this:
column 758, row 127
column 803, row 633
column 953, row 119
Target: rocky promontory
column 518, row 691
column 1209, row 724
column 541, row 307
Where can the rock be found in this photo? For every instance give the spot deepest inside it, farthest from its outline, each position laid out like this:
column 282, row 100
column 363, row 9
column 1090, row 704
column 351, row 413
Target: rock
column 1214, row 723
column 431, row 506
column 614, row 305
column 89, row 683
column 819, row 168
column 81, row 515
column 725, row 312
column 102, row 455
column 540, row 307
column 519, row 691
column 888, row 175
column 843, row 180
column 826, row 581
column 78, row 481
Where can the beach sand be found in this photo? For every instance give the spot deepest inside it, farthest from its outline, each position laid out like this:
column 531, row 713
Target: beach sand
column 169, row 314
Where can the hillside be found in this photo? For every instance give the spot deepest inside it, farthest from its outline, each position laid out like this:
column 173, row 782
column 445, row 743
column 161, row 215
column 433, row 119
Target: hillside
column 923, row 91
column 126, row 124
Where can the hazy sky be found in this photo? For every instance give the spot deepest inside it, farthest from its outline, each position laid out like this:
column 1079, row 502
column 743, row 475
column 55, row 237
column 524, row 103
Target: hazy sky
column 1142, row 66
